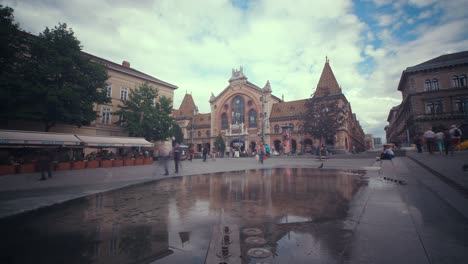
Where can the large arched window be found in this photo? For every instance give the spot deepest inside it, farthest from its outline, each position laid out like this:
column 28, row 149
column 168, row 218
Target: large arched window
column 224, row 121
column 252, row 118
column 238, row 110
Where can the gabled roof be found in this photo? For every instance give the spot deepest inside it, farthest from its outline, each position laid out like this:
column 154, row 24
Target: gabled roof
column 202, row 120
column 441, row 61
column 288, row 109
column 128, row 70
column 327, row 84
column 453, row 59
column 186, row 106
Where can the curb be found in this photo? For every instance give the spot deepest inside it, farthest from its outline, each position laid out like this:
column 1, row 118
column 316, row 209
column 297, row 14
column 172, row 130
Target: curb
column 458, row 187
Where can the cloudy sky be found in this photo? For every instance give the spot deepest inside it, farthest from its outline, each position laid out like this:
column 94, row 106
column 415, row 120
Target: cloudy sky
column 195, row 44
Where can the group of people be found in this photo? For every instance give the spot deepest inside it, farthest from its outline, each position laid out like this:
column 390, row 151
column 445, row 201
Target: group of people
column 444, row 140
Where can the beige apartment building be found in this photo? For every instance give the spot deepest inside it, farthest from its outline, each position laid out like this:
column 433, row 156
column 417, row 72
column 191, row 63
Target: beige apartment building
column 122, row 79
column 435, row 95
column 244, row 113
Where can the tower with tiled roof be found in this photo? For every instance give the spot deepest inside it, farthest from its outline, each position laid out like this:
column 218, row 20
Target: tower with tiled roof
column 327, row 84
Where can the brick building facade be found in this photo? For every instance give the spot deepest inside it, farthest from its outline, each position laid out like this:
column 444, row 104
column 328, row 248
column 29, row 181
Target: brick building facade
column 435, row 95
column 244, row 113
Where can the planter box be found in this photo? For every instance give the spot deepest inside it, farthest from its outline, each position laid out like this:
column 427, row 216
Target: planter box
column 129, row 162
column 63, row 165
column 138, row 161
column 92, row 164
column 148, row 161
column 78, row 165
column 27, row 168
column 7, row 169
column 117, row 163
column 106, row 163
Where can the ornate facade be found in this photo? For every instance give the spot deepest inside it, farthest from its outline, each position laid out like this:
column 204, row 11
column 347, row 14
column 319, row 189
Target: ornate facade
column 244, row 114
column 435, row 95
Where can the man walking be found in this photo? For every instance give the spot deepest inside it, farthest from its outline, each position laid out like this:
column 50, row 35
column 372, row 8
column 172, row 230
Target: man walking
column 429, row 137
column 176, row 157
column 44, row 165
column 165, row 153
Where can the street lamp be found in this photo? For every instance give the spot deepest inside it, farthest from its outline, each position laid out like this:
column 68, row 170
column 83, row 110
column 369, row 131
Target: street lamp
column 263, row 115
column 191, row 131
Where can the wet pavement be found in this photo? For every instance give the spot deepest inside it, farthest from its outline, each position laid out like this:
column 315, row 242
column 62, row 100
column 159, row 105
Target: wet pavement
column 352, row 211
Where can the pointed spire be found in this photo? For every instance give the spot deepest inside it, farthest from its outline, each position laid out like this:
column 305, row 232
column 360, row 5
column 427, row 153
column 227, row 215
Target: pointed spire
column 267, row 87
column 327, row 84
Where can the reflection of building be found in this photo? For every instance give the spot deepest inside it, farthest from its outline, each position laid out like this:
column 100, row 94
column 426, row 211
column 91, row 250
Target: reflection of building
column 434, row 94
column 243, row 112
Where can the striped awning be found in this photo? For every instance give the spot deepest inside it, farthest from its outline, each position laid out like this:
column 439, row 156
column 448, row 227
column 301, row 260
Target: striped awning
column 103, row 141
column 15, row 137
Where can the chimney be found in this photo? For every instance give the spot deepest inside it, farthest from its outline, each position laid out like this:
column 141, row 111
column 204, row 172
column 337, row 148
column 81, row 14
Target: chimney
column 126, row 64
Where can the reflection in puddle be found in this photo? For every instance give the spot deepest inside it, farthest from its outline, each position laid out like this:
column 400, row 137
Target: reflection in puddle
column 301, row 212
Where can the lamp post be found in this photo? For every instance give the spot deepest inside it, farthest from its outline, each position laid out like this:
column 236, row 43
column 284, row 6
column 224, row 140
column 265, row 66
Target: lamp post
column 191, row 130
column 263, row 98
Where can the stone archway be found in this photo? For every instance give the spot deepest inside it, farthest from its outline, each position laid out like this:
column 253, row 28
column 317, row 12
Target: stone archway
column 293, row 146
column 308, row 144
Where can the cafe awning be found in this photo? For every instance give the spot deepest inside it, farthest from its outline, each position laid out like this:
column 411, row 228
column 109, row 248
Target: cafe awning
column 14, row 137
column 104, row 141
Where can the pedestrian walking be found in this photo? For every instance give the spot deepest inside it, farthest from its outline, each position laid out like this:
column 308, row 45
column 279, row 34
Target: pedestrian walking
column 455, row 135
column 440, row 140
column 429, row 138
column 418, row 142
column 165, row 154
column 206, row 150
column 191, row 152
column 260, row 152
column 176, row 152
column 267, row 150
column 44, row 165
column 447, row 141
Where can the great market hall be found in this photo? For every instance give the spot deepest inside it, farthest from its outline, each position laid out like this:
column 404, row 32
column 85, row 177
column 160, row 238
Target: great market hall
column 243, row 113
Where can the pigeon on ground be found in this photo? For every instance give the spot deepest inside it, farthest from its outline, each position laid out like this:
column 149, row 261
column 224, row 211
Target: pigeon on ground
column 321, row 166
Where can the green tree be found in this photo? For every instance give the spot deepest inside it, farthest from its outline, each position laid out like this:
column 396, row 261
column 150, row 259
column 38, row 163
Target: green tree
column 322, row 119
column 176, row 131
column 146, row 115
column 11, row 63
column 62, row 84
column 220, row 144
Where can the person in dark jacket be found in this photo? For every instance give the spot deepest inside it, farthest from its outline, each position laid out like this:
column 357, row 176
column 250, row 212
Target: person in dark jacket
column 177, row 157
column 44, row 165
column 206, row 150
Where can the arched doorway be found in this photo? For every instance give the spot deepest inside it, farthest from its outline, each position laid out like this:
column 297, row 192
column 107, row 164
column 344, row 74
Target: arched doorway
column 237, row 144
column 277, row 144
column 308, row 145
column 293, row 145
column 252, row 146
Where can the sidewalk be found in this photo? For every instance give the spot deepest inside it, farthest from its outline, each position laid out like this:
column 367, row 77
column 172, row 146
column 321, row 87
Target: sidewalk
column 24, row 192
column 448, row 168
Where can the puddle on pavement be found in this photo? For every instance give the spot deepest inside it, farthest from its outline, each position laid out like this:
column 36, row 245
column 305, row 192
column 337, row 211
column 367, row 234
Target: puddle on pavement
column 301, row 215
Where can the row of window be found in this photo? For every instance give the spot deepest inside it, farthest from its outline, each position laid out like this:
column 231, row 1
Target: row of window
column 433, row 85
column 276, row 128
column 199, row 133
column 238, row 118
column 123, row 91
column 436, row 106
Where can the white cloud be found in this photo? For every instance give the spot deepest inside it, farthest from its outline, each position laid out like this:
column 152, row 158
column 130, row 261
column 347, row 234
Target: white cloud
column 195, row 44
column 421, row 3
